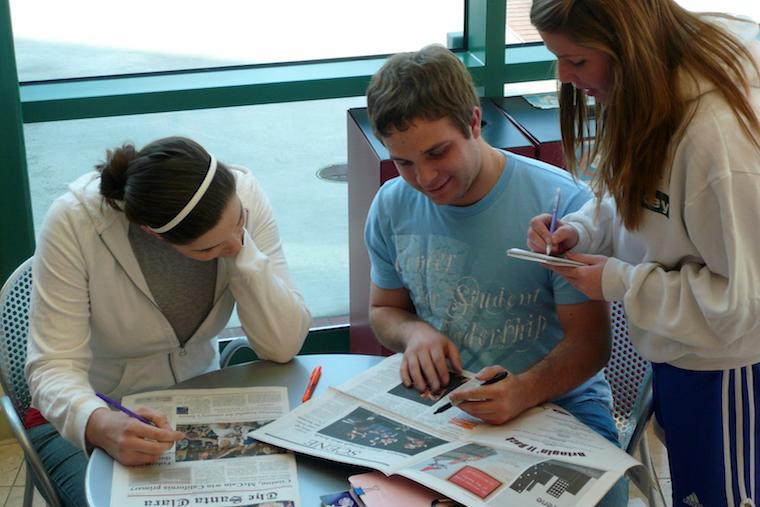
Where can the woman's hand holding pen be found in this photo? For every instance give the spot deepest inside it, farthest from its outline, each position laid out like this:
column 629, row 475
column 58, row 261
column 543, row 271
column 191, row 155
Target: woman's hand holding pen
column 496, row 403
column 587, row 279
column 129, row 441
column 563, row 239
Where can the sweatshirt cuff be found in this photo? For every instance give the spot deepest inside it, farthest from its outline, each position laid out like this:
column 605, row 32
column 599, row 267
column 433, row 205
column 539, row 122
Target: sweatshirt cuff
column 584, row 240
column 249, row 259
column 614, row 277
column 80, row 421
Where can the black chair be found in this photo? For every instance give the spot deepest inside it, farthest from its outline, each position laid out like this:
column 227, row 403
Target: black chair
column 14, row 314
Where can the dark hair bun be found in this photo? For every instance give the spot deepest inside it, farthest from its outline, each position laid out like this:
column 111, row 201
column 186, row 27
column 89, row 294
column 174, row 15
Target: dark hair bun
column 113, row 173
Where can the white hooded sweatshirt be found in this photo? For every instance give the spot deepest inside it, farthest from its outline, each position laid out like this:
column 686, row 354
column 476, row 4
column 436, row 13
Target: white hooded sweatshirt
column 689, row 276
column 95, row 326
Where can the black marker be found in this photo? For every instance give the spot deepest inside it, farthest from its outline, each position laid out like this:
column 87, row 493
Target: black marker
column 496, row 378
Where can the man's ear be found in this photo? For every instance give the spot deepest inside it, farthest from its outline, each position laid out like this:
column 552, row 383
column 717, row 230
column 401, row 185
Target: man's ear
column 475, row 125
column 151, row 232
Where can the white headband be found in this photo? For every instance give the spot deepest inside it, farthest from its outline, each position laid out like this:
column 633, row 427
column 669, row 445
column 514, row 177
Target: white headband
column 193, row 202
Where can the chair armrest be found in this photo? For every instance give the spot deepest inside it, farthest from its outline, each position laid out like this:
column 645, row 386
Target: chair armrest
column 657, row 429
column 40, row 476
column 231, row 349
column 640, row 414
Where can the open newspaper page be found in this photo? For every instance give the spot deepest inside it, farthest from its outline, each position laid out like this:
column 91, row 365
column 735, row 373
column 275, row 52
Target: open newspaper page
column 545, row 456
column 219, row 462
column 337, row 427
column 381, row 386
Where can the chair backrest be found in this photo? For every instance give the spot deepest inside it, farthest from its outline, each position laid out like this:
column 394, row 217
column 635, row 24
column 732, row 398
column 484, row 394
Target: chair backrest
column 14, row 330
column 629, row 376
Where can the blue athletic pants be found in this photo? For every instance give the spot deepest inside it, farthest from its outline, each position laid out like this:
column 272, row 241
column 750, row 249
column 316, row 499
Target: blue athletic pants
column 709, row 420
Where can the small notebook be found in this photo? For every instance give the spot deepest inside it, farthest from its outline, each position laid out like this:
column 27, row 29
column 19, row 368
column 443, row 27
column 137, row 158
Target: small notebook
column 527, row 255
column 377, row 490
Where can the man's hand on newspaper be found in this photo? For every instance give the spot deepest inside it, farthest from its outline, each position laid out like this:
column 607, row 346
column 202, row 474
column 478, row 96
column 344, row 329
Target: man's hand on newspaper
column 496, row 403
column 129, row 441
column 425, row 363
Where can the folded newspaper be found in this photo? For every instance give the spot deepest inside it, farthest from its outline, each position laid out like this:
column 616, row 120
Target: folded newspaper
column 219, row 462
column 546, row 456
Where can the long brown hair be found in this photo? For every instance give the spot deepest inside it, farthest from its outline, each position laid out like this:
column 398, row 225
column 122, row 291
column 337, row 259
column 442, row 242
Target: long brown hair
column 650, row 43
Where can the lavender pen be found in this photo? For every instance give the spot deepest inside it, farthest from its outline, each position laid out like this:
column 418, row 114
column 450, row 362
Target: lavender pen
column 118, row 406
column 553, row 224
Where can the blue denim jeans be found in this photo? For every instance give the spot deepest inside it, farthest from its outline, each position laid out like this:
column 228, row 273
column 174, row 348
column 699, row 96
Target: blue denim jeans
column 65, row 464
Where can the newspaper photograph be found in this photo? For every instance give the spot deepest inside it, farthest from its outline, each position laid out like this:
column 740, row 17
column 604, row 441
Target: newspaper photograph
column 381, row 386
column 544, row 456
column 219, row 462
column 335, row 427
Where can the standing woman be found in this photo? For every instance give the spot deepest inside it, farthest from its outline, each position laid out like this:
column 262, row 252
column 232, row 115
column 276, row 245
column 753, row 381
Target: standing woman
column 137, row 268
column 677, row 179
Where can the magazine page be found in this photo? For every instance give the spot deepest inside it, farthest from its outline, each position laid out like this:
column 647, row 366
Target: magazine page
column 337, row 427
column 381, row 386
column 219, row 462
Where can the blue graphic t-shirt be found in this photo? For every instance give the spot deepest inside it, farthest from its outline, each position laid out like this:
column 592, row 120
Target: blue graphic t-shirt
column 453, row 262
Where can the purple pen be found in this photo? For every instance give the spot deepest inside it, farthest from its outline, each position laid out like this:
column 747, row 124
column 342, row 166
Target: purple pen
column 553, row 224
column 118, row 406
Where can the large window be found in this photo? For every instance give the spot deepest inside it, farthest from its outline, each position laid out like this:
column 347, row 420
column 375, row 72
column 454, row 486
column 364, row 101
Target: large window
column 519, row 30
column 287, row 146
column 296, row 149
column 77, row 38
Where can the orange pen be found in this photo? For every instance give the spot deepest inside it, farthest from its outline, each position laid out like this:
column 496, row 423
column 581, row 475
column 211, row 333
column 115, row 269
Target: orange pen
column 315, row 374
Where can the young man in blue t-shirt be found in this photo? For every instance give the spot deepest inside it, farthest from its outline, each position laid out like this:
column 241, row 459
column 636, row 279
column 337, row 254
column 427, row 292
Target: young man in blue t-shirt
column 443, row 290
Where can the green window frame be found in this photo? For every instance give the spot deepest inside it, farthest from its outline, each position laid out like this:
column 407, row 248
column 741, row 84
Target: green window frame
column 485, row 54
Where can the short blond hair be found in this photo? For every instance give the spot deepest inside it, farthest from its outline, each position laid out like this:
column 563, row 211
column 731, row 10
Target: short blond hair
column 431, row 84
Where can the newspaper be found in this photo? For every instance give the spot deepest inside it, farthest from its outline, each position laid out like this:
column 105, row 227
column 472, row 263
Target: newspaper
column 544, row 457
column 219, row 462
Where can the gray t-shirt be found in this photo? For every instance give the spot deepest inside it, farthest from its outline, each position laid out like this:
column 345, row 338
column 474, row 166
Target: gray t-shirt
column 182, row 287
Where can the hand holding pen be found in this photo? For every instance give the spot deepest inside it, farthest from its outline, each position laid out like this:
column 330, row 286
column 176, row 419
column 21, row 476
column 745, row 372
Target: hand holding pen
column 130, row 440
column 118, row 406
column 496, row 378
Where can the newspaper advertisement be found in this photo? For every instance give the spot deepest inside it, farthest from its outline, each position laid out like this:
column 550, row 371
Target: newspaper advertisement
column 544, row 457
column 219, row 462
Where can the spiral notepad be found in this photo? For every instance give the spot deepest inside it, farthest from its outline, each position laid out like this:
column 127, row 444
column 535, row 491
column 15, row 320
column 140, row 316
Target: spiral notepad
column 527, row 255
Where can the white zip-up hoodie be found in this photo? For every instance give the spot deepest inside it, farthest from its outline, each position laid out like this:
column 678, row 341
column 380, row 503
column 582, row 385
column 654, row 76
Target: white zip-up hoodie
column 689, row 277
column 94, row 325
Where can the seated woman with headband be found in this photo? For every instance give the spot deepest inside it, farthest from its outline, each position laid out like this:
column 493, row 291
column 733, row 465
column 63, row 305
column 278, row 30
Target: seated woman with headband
column 136, row 271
